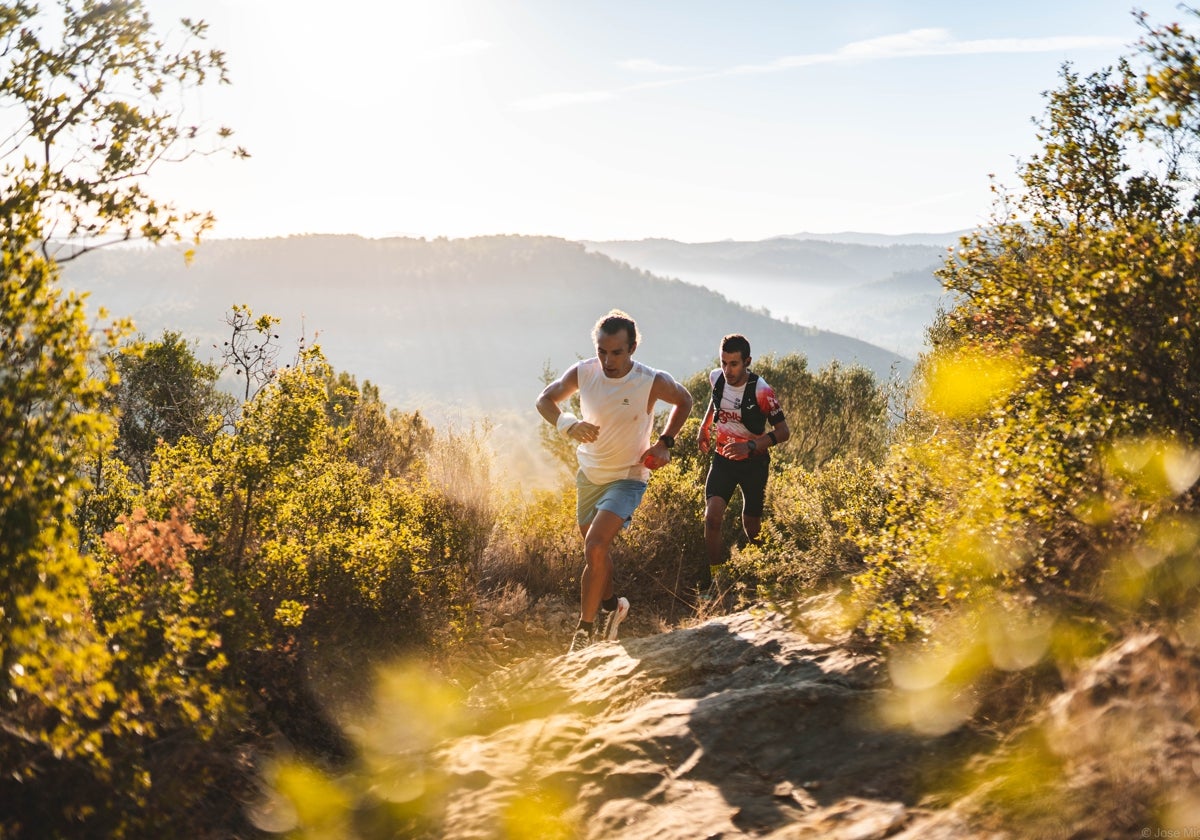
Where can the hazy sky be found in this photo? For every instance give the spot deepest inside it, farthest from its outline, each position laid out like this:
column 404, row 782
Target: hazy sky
column 607, row 119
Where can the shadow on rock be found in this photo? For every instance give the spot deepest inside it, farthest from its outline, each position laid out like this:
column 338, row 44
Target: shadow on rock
column 737, row 727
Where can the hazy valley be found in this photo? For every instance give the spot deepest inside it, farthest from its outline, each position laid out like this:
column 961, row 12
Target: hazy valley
column 474, row 321
column 880, row 289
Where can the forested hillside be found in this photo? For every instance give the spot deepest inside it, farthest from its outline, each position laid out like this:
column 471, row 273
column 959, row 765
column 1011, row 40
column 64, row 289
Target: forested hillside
column 468, row 323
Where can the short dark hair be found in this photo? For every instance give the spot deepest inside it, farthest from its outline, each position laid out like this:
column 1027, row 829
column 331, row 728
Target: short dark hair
column 736, row 343
column 613, row 323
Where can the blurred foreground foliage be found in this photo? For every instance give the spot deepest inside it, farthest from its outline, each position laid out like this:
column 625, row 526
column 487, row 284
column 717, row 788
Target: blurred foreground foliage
column 1041, row 493
column 1053, row 434
column 255, row 571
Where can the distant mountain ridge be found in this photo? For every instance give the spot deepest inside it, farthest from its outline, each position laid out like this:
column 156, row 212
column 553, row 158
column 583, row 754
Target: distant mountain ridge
column 940, row 240
column 466, row 323
column 878, row 288
column 809, row 261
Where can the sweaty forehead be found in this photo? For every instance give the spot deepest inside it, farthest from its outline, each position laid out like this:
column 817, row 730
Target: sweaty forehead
column 612, row 343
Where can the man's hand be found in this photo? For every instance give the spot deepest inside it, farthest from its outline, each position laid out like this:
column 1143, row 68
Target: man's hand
column 656, row 456
column 653, row 461
column 584, row 432
column 737, row 450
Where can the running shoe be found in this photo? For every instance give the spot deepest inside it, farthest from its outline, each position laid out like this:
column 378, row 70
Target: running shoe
column 580, row 640
column 607, row 621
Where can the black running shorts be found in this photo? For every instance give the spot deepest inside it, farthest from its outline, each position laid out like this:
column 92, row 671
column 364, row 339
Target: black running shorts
column 751, row 475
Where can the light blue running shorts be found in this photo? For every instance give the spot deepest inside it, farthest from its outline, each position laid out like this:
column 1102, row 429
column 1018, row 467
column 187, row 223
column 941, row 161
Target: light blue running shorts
column 620, row 497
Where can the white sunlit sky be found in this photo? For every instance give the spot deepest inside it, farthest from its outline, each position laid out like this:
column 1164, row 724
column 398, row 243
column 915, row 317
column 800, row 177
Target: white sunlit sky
column 694, row 120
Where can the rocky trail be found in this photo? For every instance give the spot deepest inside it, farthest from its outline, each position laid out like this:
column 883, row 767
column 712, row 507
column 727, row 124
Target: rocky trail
column 746, row 725
column 738, row 727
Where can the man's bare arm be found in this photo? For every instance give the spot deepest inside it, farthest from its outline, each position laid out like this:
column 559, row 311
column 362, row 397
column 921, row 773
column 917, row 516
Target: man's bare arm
column 556, row 392
column 666, row 389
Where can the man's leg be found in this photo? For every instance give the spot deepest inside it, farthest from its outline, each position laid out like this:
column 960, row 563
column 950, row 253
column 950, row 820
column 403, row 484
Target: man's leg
column 754, row 497
column 752, row 525
column 714, row 517
column 718, row 490
column 596, row 582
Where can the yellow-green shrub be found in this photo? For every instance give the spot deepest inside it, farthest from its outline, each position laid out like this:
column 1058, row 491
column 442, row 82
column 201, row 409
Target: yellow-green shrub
column 809, row 535
column 536, row 543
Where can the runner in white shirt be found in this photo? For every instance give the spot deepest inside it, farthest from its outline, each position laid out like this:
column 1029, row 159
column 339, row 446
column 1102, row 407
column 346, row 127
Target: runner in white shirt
column 617, row 396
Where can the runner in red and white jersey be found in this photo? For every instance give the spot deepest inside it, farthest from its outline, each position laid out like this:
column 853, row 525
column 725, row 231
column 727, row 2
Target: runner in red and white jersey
column 735, row 430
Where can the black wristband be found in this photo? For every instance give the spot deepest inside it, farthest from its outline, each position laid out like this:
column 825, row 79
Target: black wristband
column 667, row 441
column 774, row 440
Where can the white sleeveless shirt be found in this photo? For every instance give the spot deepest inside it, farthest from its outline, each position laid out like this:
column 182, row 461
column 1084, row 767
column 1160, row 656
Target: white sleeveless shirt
column 621, row 408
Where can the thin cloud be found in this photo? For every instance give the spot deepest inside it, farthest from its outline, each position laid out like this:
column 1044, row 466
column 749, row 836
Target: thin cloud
column 926, row 43
column 916, row 43
column 931, row 42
